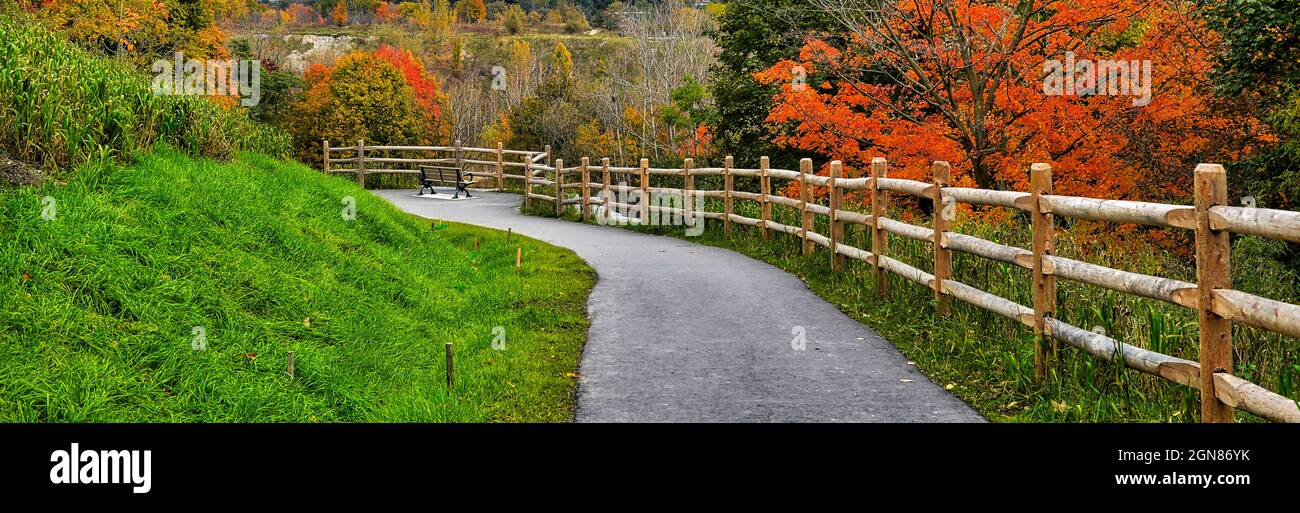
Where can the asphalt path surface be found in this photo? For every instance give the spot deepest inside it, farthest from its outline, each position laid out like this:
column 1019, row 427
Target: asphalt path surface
column 682, row 332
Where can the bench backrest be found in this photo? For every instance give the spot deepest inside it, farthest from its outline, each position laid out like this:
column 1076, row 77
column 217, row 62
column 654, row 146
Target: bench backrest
column 438, row 174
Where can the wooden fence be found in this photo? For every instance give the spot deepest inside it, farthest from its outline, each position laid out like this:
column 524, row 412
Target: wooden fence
column 488, row 165
column 1211, row 219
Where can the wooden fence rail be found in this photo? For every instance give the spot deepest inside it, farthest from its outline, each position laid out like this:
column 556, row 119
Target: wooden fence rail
column 1211, row 219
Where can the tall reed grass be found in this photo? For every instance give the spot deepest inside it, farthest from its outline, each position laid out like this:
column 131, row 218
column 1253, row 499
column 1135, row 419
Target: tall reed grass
column 61, row 106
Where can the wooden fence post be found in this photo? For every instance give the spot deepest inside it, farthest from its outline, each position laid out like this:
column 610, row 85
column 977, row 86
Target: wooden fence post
column 548, row 155
column 1043, row 226
column 325, row 166
column 625, row 194
column 460, row 166
column 727, row 185
column 528, row 182
column 361, row 163
column 559, row 188
column 1212, row 272
column 688, row 198
column 879, row 238
column 805, row 196
column 765, row 188
column 501, row 166
column 586, row 190
column 608, row 193
column 836, row 227
column 645, row 192
column 942, row 257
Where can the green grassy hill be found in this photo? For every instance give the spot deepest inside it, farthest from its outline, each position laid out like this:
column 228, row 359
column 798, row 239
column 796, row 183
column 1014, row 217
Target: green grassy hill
column 110, row 272
column 99, row 305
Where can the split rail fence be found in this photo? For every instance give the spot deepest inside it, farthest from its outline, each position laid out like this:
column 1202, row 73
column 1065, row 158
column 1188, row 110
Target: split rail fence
column 488, row 165
column 1211, row 219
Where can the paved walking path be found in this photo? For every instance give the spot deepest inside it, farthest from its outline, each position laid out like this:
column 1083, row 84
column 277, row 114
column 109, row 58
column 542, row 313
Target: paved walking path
column 682, row 332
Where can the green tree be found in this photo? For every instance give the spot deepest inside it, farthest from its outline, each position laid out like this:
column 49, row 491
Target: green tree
column 241, row 49
column 514, row 20
column 280, row 90
column 1260, row 64
column 574, row 19
column 755, row 34
column 443, row 17
column 457, row 55
column 552, row 117
column 686, row 111
column 559, row 74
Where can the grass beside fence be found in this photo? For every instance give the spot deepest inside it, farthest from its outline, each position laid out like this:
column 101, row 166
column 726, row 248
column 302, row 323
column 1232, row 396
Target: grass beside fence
column 99, row 305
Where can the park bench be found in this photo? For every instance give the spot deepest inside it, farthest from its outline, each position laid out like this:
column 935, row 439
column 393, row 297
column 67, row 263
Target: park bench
column 430, row 175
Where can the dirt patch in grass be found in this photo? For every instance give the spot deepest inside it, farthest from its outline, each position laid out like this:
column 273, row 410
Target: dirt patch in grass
column 14, row 173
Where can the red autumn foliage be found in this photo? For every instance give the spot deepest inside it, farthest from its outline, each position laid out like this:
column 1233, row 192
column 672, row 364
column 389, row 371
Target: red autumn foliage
column 427, row 90
column 963, row 81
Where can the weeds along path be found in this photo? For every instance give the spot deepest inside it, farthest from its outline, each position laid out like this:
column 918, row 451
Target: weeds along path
column 682, row 332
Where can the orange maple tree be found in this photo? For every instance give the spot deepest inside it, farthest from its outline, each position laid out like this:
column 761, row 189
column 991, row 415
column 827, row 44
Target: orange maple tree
column 428, row 93
column 967, row 81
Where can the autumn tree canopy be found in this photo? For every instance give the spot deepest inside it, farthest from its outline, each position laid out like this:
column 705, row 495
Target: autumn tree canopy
column 141, row 30
column 378, row 96
column 965, row 81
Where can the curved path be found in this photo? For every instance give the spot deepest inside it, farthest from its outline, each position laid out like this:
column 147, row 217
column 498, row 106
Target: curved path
column 682, row 332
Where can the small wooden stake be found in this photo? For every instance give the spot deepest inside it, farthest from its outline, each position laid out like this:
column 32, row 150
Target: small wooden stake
column 1043, row 226
column 1212, row 272
column 475, row 244
column 451, row 365
column 289, row 364
column 805, row 197
column 519, row 260
column 508, row 230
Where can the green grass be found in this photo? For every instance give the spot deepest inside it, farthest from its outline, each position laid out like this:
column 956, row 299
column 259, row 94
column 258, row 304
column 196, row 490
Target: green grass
column 987, row 360
column 61, row 106
column 98, row 306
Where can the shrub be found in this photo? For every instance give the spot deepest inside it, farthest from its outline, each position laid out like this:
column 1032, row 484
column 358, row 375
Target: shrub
column 514, row 20
column 574, row 19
